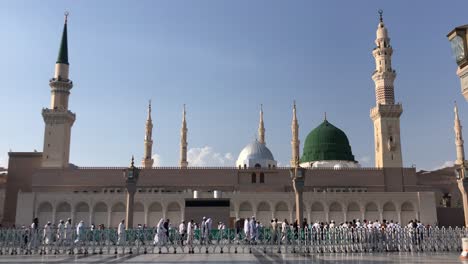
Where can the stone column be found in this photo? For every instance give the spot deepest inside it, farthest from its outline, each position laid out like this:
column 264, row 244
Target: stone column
column 131, row 189
column 463, row 185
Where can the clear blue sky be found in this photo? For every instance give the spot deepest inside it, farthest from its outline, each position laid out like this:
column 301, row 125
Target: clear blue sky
column 223, row 59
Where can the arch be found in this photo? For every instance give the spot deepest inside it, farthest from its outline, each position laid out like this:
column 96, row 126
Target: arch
column 100, row 213
column 82, row 212
column 264, row 213
column 138, row 214
column 245, row 210
column 63, row 211
column 335, row 207
column 257, row 165
column 155, row 213
column 407, row 212
column 406, row 207
column 174, row 213
column 44, row 213
column 81, row 207
column 317, row 207
column 253, row 177
column 354, row 211
column 155, row 207
column 389, row 212
column 117, row 214
column 138, row 207
column 100, row 207
column 335, row 212
column 317, row 213
column 118, row 207
column 282, row 211
column 262, row 177
column 372, row 212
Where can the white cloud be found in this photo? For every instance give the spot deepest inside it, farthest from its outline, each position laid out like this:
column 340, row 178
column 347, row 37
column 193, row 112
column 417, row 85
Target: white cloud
column 448, row 163
column 4, row 161
column 365, row 160
column 206, row 156
column 157, row 160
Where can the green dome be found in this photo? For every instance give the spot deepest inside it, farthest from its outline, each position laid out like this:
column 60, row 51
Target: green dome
column 326, row 142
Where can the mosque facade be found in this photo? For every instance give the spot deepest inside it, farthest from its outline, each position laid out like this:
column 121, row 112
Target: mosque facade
column 45, row 184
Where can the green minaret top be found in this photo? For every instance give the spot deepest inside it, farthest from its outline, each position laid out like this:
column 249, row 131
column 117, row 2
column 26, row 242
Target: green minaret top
column 63, row 51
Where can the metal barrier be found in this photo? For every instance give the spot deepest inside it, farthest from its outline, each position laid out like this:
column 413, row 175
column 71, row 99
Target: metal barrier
column 142, row 241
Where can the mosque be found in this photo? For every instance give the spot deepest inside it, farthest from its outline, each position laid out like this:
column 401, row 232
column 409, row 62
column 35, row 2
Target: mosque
column 46, row 185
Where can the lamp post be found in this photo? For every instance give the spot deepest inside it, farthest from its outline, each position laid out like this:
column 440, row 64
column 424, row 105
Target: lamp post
column 131, row 177
column 458, row 40
column 297, row 174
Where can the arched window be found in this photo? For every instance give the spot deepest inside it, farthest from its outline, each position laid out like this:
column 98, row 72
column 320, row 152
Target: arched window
column 245, row 166
column 262, row 177
column 254, row 177
column 258, row 165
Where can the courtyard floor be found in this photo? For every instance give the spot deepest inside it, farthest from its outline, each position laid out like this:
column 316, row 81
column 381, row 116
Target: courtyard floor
column 255, row 257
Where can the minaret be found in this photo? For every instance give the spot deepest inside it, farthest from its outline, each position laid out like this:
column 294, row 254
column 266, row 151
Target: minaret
column 147, row 162
column 58, row 119
column 386, row 114
column 261, row 127
column 183, row 142
column 295, row 138
column 458, row 138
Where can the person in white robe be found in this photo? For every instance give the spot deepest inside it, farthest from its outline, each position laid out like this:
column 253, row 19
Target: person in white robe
column 47, row 236
column 80, row 232
column 159, row 237
column 247, row 228
column 121, row 233
column 253, row 229
column 208, row 225
column 61, row 232
column 190, row 229
column 203, row 230
column 182, row 232
column 284, row 231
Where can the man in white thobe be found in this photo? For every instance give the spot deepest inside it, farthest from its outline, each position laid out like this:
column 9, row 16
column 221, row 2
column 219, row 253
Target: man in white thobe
column 253, row 229
column 61, row 232
column 182, row 232
column 48, row 233
column 203, row 230
column 121, row 233
column 247, row 228
column 208, row 224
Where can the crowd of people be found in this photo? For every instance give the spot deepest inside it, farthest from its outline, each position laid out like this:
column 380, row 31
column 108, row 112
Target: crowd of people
column 249, row 230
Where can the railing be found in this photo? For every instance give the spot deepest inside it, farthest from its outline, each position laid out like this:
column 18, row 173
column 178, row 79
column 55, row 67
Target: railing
column 146, row 241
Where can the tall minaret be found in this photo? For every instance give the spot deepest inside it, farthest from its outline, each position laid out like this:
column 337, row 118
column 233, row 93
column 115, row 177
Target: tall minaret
column 458, row 138
column 183, row 142
column 147, row 162
column 295, row 138
column 58, row 119
column 261, row 127
column 386, row 114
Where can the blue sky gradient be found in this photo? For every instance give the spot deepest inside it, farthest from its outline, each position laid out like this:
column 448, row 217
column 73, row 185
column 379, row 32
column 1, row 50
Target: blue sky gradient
column 223, row 59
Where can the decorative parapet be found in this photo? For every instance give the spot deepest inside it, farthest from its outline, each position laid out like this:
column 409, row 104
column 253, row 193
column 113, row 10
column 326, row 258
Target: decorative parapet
column 236, row 168
column 390, row 110
column 60, row 85
column 57, row 116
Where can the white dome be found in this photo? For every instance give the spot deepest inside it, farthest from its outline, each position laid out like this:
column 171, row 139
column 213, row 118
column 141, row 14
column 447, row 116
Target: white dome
column 255, row 154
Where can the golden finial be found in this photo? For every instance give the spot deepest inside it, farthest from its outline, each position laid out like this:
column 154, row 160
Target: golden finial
column 66, row 16
column 380, row 15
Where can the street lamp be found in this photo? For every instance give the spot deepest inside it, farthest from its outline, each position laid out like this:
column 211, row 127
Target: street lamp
column 297, row 174
column 131, row 177
column 458, row 40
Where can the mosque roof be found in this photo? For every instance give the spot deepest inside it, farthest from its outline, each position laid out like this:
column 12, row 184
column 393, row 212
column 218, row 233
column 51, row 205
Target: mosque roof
column 255, row 151
column 326, row 142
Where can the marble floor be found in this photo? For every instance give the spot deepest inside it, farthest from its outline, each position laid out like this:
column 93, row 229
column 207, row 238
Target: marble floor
column 255, row 257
